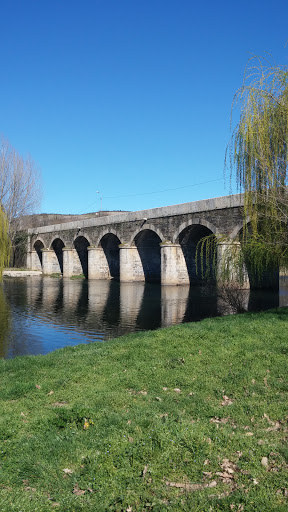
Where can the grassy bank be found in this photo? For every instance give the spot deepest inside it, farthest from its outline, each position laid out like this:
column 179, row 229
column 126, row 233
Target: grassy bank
column 188, row 418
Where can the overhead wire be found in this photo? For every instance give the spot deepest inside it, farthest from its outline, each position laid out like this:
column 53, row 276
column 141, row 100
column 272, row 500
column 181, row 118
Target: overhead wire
column 154, row 192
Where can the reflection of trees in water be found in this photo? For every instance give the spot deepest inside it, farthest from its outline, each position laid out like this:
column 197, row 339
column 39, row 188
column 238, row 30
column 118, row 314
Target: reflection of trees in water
column 4, row 323
column 202, row 303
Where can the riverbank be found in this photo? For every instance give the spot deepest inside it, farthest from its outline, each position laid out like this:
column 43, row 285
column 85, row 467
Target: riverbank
column 12, row 272
column 192, row 417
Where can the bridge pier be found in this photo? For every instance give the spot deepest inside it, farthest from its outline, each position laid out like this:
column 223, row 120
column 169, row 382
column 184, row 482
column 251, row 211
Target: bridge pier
column 98, row 267
column 29, row 260
column 131, row 268
column 68, row 261
column 227, row 262
column 50, row 263
column 33, row 261
column 173, row 265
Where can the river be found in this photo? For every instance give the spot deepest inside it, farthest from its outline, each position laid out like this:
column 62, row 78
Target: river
column 41, row 314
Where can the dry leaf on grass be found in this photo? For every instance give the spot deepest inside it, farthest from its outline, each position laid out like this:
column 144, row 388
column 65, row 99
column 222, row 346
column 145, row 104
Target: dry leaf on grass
column 228, row 469
column 207, row 474
column 264, row 461
column 77, row 491
column 283, row 491
column 226, row 400
column 229, row 466
column 67, row 471
column 219, row 420
column 275, row 425
column 144, row 471
column 37, row 386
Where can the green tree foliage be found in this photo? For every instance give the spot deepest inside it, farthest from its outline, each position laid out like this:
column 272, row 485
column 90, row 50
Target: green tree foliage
column 5, row 243
column 257, row 154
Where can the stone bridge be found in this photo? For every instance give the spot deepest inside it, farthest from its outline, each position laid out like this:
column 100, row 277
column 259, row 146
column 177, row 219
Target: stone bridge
column 157, row 245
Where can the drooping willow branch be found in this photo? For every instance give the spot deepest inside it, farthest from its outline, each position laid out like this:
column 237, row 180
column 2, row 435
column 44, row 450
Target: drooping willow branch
column 218, row 256
column 5, row 244
column 257, row 155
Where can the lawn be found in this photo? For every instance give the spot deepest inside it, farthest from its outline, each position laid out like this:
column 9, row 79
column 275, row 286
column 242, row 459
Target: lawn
column 188, row 418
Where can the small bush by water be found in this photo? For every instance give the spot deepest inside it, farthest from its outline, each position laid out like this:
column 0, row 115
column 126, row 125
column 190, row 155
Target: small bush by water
column 189, row 418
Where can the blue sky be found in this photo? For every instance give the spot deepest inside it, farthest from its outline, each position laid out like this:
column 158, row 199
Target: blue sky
column 129, row 98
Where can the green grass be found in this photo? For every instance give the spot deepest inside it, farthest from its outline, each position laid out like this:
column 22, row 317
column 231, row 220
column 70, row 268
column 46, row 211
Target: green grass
column 189, row 418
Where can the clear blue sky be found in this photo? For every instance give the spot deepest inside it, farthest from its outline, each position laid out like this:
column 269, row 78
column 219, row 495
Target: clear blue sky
column 128, row 97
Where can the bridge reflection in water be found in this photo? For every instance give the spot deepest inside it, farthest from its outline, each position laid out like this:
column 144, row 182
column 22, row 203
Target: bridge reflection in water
column 48, row 313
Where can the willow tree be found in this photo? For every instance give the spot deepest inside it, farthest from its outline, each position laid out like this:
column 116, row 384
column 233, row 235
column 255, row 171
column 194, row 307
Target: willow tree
column 257, row 154
column 5, row 243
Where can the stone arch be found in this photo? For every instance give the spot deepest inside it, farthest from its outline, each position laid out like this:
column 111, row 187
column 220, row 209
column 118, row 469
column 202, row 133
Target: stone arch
column 110, row 244
column 107, row 232
column 57, row 246
column 37, row 239
column 56, row 237
column 196, row 264
column 38, row 245
column 83, row 234
column 148, row 245
column 150, row 227
column 81, row 245
column 196, row 221
column 237, row 230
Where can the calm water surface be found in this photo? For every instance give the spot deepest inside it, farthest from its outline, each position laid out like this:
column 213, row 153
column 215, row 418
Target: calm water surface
column 41, row 314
